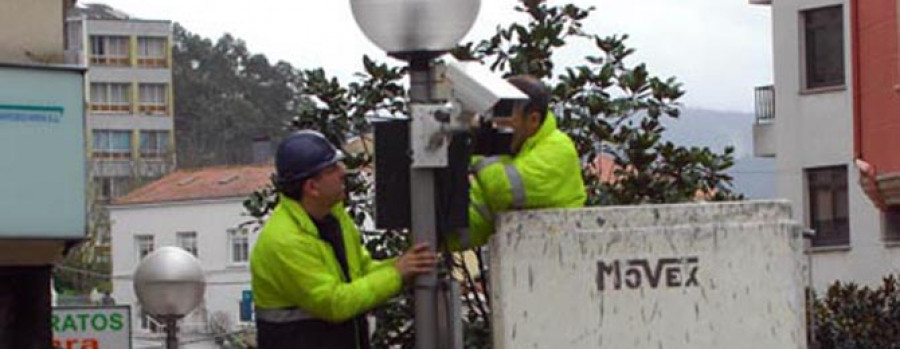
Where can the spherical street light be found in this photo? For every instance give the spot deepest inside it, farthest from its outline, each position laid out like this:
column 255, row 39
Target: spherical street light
column 410, row 28
column 169, row 282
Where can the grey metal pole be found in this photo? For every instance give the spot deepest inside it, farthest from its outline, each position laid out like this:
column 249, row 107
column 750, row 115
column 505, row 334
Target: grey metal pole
column 808, row 235
column 450, row 335
column 171, row 332
column 423, row 223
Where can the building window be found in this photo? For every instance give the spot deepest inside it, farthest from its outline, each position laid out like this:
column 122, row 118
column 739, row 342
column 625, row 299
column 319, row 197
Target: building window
column 239, row 243
column 892, row 224
column 829, row 213
column 103, row 188
column 112, row 144
column 73, row 40
column 110, row 97
column 152, row 52
column 154, row 143
column 153, row 98
column 188, row 241
column 144, row 244
column 106, row 188
column 823, row 38
column 109, row 50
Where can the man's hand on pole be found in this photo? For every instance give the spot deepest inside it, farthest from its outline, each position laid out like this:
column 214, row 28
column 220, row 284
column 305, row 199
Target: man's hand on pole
column 416, row 261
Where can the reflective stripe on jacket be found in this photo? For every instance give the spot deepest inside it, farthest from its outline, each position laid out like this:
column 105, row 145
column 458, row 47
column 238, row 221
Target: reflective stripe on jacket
column 545, row 173
column 292, row 267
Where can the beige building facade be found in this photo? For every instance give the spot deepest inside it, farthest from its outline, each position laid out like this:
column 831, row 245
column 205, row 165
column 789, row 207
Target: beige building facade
column 32, row 31
column 130, row 116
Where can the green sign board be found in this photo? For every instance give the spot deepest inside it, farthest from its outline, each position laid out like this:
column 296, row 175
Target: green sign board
column 42, row 153
column 91, row 327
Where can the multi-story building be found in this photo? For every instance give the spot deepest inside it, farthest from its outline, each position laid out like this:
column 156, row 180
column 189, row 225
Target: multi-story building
column 831, row 121
column 130, row 116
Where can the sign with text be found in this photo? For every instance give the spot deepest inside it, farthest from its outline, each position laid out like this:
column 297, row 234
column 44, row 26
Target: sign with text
column 42, row 153
column 650, row 272
column 104, row 327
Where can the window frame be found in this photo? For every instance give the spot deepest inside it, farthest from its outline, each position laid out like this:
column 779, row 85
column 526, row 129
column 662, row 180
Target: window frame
column 154, row 143
column 890, row 223
column 141, row 240
column 144, row 59
column 109, row 150
column 107, row 90
column 806, row 85
column 837, row 189
column 158, row 106
column 242, row 236
column 183, row 238
column 101, row 53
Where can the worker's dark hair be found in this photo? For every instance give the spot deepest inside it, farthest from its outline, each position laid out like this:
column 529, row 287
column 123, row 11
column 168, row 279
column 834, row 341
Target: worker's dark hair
column 538, row 93
column 293, row 190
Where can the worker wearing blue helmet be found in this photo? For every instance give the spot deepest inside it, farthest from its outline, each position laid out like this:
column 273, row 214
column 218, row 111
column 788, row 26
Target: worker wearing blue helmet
column 312, row 278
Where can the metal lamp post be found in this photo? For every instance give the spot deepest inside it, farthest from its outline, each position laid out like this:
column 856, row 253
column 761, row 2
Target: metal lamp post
column 169, row 283
column 418, row 31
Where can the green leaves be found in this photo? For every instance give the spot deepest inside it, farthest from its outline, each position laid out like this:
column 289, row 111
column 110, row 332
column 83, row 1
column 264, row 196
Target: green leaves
column 225, row 98
column 850, row 316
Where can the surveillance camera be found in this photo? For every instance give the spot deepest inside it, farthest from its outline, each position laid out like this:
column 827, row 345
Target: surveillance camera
column 481, row 91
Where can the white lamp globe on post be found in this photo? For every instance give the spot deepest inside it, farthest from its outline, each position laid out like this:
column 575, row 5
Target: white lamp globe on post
column 410, row 29
column 169, row 283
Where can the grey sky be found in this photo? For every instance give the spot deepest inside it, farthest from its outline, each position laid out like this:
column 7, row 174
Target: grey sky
column 719, row 49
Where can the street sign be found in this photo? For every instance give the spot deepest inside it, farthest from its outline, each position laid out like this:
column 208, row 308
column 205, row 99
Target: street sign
column 104, row 327
column 43, row 152
column 246, row 305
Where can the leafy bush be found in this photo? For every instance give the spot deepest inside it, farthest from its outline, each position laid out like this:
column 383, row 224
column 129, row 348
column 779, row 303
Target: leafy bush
column 850, row 316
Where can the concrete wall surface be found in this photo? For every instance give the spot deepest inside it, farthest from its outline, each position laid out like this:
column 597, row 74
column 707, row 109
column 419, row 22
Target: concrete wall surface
column 724, row 275
column 32, row 31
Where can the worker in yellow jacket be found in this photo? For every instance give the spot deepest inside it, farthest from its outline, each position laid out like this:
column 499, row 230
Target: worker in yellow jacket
column 312, row 278
column 544, row 170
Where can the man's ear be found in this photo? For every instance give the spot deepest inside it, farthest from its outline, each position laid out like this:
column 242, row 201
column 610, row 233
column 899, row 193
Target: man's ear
column 310, row 188
column 534, row 119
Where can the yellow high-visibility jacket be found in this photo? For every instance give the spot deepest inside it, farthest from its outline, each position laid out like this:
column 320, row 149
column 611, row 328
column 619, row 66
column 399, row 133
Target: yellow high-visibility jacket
column 545, row 173
column 292, row 267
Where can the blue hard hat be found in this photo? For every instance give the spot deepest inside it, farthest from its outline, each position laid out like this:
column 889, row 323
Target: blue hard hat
column 304, row 154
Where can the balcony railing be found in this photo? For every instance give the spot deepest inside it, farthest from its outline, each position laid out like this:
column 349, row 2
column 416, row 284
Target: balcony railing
column 765, row 104
column 112, row 154
column 153, row 109
column 111, row 60
column 111, row 107
column 152, row 62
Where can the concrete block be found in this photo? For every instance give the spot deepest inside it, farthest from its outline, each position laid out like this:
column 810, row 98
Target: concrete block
column 708, row 275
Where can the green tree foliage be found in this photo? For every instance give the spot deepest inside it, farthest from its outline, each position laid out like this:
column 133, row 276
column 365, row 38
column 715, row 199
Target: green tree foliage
column 854, row 317
column 226, row 97
column 606, row 105
column 86, row 265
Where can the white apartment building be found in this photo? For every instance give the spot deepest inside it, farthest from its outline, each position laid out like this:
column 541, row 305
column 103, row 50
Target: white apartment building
column 806, row 121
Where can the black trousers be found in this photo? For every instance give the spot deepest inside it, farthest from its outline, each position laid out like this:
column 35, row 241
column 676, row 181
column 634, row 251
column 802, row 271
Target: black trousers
column 313, row 334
